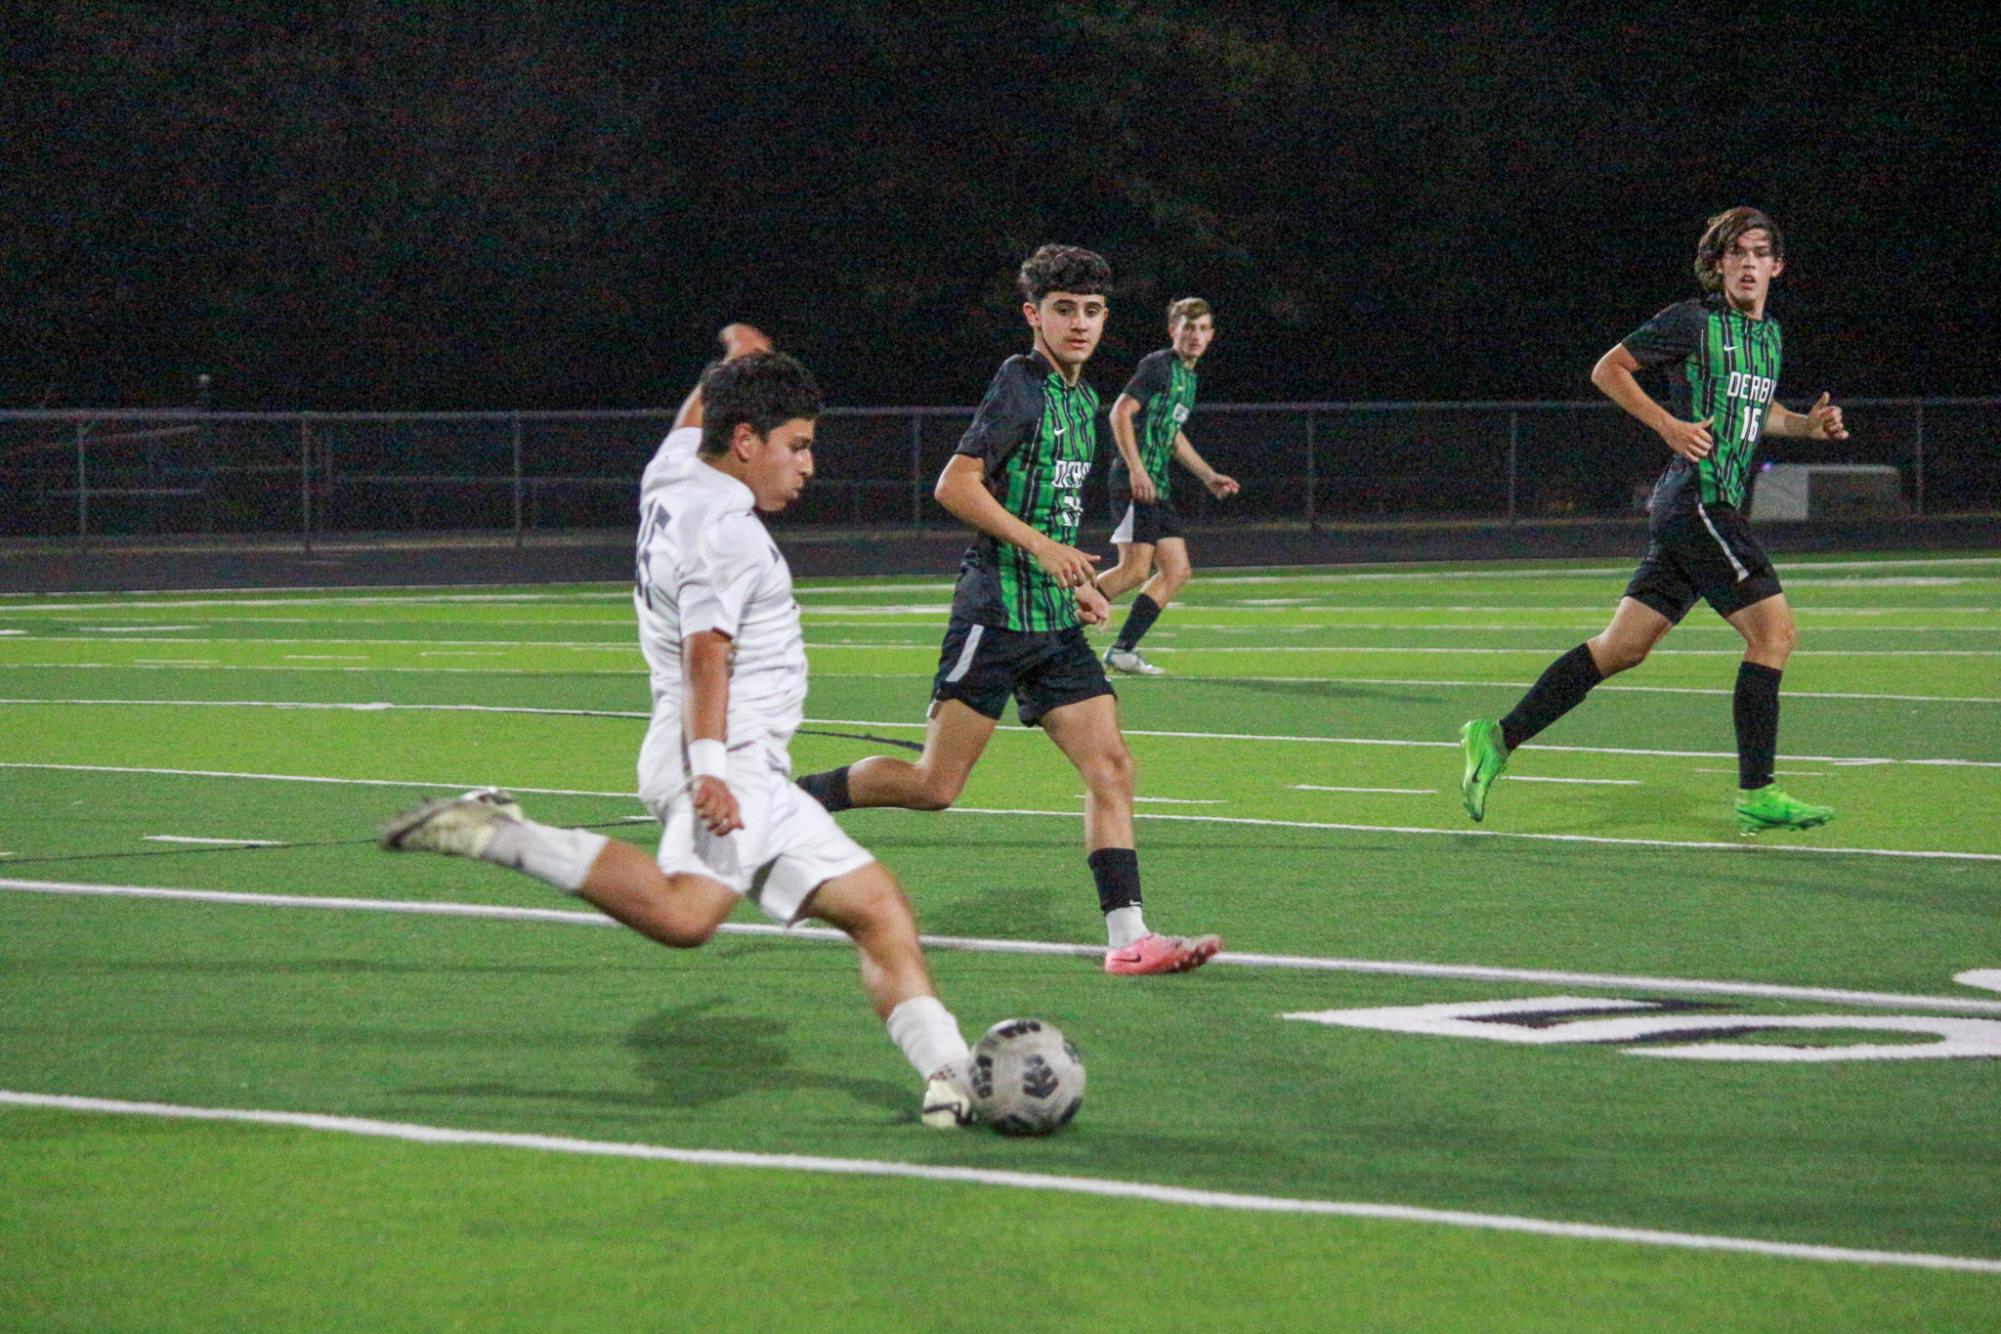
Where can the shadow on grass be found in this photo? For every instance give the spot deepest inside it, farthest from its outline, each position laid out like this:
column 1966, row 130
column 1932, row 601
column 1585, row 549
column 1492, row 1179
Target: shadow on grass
column 702, row 1053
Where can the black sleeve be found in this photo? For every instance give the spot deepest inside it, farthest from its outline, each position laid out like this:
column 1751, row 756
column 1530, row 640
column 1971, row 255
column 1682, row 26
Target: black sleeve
column 1008, row 415
column 1673, row 335
column 1149, row 378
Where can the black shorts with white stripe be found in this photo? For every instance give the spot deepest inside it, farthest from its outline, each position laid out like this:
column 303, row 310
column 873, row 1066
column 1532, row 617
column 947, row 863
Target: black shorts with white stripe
column 1707, row 552
column 1147, row 523
column 981, row 665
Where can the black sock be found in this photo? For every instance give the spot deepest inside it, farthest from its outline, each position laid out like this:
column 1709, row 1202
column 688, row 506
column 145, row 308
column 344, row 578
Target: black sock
column 830, row 789
column 1117, row 872
column 1561, row 688
column 1139, row 620
column 1756, row 710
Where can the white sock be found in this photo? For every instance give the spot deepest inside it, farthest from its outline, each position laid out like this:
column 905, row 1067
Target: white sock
column 1124, row 925
column 562, row 857
column 928, row 1035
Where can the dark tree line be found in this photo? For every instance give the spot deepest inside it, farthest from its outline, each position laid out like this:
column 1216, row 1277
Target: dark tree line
column 528, row 204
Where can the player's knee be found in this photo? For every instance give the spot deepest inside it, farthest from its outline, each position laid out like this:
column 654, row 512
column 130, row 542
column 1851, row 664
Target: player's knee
column 936, row 789
column 1618, row 655
column 1111, row 773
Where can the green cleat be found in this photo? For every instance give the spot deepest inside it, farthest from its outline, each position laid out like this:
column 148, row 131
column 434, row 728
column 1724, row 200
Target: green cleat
column 1768, row 808
column 1486, row 757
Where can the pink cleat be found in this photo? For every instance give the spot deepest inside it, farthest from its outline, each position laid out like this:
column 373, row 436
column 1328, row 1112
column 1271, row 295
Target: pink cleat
column 1153, row 953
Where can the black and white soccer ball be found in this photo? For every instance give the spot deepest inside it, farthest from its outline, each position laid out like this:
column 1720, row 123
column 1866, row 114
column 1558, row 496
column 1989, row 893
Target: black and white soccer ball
column 1027, row 1078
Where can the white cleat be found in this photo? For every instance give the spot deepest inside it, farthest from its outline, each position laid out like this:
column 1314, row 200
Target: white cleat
column 948, row 1099
column 1129, row 661
column 455, row 826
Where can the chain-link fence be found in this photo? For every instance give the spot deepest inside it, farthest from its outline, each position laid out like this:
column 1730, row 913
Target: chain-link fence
column 82, row 474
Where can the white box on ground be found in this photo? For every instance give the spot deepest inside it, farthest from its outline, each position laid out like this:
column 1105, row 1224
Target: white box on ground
column 1824, row 490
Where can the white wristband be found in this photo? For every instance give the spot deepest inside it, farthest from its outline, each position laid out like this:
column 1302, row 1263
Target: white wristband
column 708, row 759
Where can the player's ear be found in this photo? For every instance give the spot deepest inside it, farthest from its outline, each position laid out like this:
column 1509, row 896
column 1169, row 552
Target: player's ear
column 743, row 440
column 1778, row 267
column 1032, row 313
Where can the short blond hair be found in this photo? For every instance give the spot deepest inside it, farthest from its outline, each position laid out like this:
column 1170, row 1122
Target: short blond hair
column 1187, row 308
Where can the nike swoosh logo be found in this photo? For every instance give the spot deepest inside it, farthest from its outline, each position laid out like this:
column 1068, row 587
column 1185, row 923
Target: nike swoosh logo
column 1730, row 347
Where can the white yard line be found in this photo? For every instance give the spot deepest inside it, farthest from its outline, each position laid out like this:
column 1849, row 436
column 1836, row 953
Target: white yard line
column 215, row 842
column 382, row 707
column 1401, row 791
column 1596, row 782
column 989, row 1177
column 133, row 629
column 1101, row 1187
column 1745, row 847
column 1043, row 948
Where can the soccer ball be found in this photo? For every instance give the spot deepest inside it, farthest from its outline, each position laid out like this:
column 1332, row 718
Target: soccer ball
column 1027, row 1078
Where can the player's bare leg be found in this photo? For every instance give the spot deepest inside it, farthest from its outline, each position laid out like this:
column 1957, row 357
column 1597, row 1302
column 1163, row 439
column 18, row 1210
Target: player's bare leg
column 953, row 744
column 1631, row 635
column 870, row 907
column 679, row 911
column 1135, row 564
column 1088, row 733
column 1169, row 558
column 1770, row 635
column 1171, row 571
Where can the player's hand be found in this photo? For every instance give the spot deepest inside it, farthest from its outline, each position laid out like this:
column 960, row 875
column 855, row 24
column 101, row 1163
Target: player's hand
column 1144, row 491
column 1092, row 606
column 1068, row 566
column 1220, row 486
column 740, row 340
column 1691, row 440
column 715, row 804
column 1823, row 421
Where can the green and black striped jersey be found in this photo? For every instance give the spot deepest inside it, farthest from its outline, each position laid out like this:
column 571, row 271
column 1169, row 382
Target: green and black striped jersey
column 1036, row 437
column 1165, row 390
column 1729, row 371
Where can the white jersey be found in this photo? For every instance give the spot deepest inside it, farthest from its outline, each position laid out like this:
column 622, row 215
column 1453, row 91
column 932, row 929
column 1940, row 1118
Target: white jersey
column 707, row 563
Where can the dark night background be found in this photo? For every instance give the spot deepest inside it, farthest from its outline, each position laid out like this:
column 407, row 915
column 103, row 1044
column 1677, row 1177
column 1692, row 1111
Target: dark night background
column 530, row 205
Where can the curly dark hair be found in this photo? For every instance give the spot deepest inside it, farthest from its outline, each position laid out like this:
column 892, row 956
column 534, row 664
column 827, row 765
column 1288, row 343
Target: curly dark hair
column 1720, row 233
column 1063, row 268
column 764, row 389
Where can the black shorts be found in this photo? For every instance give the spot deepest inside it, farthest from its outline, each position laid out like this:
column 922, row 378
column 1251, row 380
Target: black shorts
column 1043, row 669
column 1705, row 552
column 1143, row 523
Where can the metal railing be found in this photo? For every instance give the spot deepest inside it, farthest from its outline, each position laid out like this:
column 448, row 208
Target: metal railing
column 79, row 474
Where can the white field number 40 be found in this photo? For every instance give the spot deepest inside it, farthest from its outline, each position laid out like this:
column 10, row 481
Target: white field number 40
column 1673, row 1030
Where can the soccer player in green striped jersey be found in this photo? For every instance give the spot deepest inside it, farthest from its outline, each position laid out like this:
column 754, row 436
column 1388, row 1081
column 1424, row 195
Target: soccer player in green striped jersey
column 1149, row 423
column 1025, row 592
column 1723, row 355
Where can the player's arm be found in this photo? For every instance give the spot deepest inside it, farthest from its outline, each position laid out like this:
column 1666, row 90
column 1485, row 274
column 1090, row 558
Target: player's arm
column 962, row 489
column 1822, row 421
column 1218, row 484
column 705, row 662
column 1614, row 377
column 1126, row 437
column 738, row 340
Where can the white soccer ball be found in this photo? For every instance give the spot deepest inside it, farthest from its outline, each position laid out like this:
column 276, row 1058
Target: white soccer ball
column 1027, row 1078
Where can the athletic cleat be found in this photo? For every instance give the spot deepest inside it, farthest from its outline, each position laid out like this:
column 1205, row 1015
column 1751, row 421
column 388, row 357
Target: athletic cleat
column 948, row 1099
column 1153, row 953
column 1486, row 758
column 1768, row 808
column 455, row 826
column 1129, row 661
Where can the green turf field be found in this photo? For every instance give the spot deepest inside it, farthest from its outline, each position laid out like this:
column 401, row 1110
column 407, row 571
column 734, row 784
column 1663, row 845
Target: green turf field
column 530, row 1116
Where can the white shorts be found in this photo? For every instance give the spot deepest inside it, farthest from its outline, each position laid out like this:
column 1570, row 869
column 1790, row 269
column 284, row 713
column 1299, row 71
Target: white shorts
column 788, row 847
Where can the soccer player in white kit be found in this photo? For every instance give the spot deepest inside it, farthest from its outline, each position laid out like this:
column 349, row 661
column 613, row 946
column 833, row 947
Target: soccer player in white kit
column 720, row 631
